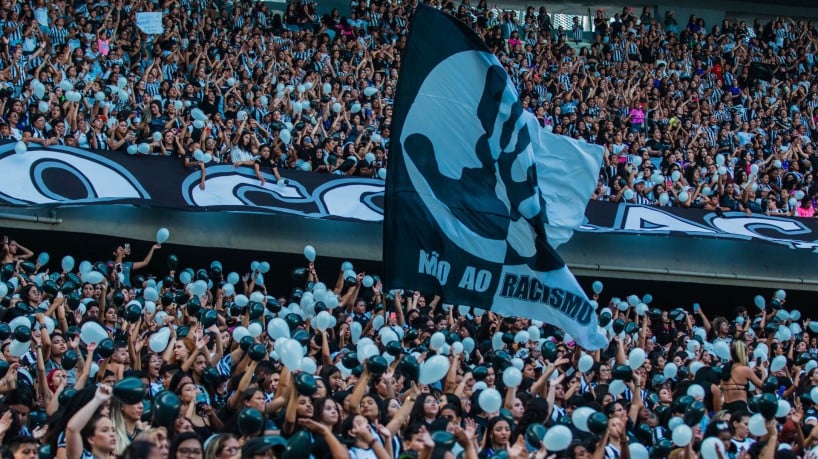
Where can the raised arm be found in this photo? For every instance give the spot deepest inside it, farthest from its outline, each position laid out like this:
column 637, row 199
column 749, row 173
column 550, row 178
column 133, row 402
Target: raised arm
column 73, row 437
column 148, row 257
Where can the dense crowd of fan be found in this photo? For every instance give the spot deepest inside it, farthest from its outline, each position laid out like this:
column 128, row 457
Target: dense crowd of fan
column 105, row 359
column 693, row 115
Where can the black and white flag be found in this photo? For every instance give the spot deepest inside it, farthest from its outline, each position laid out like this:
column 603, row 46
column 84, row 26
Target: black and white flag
column 474, row 182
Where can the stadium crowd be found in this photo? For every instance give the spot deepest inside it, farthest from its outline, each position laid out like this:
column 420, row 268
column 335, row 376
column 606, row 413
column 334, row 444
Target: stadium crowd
column 105, row 359
column 713, row 116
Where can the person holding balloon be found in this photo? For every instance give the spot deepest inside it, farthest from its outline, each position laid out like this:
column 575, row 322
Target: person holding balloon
column 122, row 251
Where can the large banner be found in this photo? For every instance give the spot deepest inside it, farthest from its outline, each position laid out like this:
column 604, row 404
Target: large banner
column 71, row 176
column 64, row 176
column 464, row 212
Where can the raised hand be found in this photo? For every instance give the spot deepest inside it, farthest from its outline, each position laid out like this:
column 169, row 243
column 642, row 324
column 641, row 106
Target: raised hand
column 103, row 393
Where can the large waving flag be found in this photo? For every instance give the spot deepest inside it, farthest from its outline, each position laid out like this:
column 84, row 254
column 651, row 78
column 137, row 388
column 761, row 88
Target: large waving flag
column 473, row 181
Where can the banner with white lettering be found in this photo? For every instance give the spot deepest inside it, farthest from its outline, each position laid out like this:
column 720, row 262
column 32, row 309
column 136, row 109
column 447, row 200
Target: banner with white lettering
column 465, row 215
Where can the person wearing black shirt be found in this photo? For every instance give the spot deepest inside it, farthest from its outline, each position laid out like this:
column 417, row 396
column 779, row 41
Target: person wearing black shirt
column 265, row 163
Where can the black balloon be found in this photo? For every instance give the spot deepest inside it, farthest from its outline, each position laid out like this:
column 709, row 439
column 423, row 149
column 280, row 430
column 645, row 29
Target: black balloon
column 257, row 352
column 694, row 413
column 69, row 359
column 598, row 423
column 173, row 262
column 106, row 348
column 22, row 333
column 376, row 365
column 250, row 421
column 299, row 274
column 209, row 318
column 768, row 405
column 299, row 446
column 245, row 343
column 305, row 384
column 410, row 367
column 5, row 331
column 133, row 312
column 166, row 406
column 66, row 395
column 534, row 434
column 130, row 390
column 50, row 287
column 350, row 360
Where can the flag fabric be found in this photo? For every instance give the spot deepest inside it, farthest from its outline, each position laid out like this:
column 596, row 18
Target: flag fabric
column 473, row 181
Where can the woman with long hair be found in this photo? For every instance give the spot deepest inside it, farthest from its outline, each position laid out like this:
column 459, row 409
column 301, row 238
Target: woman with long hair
column 496, row 438
column 734, row 378
column 125, row 418
column 425, row 411
column 89, row 434
column 325, row 426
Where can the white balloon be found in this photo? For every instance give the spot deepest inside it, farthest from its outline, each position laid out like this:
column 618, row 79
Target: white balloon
column 757, row 425
column 254, row 329
column 674, row 422
column 722, row 350
column 497, row 341
column 388, row 335
column 490, row 400
column 308, row 365
column 321, row 320
column 158, row 341
column 638, row 451
column 682, row 435
column 710, row 445
column 670, row 370
column 586, row 362
column 292, row 354
column 367, row 351
column 696, row 391
column 92, row 332
column 512, row 377
column 558, row 438
column 433, row 369
column 468, row 344
column 309, row 253
column 239, row 333
column 150, row 294
column 616, row 387
column 93, row 277
column 437, row 341
column 580, row 417
column 355, row 331
column 517, row 363
column 636, row 358
column 778, row 363
column 18, row 349
column 783, row 409
column 162, row 235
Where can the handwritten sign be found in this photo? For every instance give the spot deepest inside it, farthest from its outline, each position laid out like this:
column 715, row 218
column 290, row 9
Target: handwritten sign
column 150, row 23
